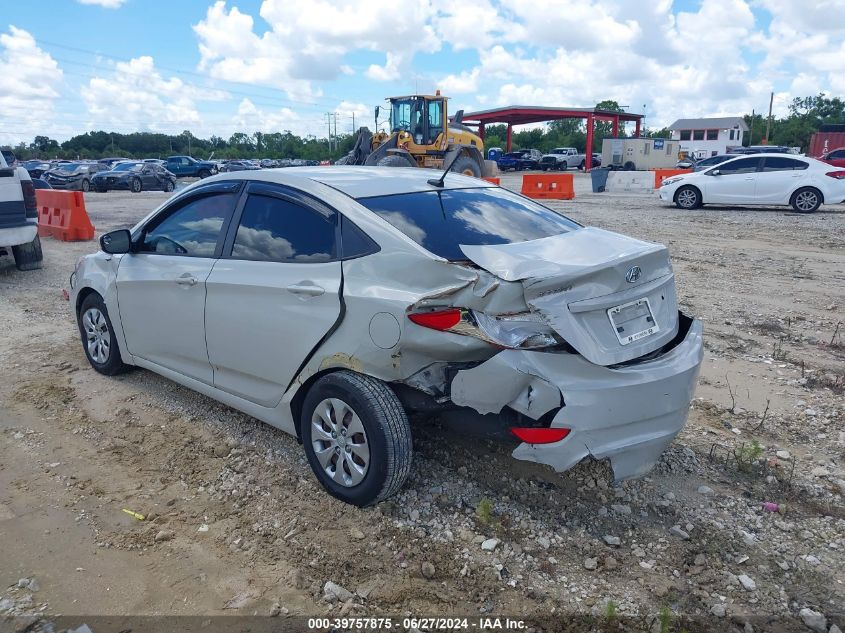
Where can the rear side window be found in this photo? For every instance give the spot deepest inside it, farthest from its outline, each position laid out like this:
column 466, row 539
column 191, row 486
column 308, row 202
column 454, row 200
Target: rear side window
column 279, row 230
column 441, row 221
column 777, row 163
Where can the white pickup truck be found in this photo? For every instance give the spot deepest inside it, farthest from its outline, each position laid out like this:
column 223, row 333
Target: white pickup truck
column 562, row 158
column 18, row 216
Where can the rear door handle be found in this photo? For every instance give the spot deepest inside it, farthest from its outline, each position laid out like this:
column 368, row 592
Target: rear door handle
column 306, row 288
column 749, row 177
column 186, row 280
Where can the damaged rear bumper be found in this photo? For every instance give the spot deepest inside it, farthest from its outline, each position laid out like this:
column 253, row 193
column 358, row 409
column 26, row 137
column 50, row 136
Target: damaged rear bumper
column 628, row 413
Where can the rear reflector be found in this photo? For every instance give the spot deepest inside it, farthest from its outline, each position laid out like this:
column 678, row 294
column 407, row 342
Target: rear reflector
column 439, row 320
column 539, row 436
column 839, row 175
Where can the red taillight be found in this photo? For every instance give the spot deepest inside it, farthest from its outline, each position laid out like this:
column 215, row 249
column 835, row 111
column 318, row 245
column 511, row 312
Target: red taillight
column 29, row 198
column 839, row 175
column 437, row 320
column 539, row 436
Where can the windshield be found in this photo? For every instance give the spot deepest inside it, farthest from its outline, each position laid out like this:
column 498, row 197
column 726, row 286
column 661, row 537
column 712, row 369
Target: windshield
column 441, row 221
column 128, row 167
column 70, row 167
column 405, row 114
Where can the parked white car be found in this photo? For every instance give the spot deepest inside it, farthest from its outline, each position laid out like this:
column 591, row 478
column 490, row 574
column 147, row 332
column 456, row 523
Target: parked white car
column 804, row 183
column 19, row 217
column 329, row 302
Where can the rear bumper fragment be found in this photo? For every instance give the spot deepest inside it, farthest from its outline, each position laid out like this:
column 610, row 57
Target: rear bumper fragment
column 627, row 413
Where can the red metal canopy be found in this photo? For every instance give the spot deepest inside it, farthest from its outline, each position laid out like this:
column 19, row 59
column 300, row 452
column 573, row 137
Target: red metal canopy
column 520, row 115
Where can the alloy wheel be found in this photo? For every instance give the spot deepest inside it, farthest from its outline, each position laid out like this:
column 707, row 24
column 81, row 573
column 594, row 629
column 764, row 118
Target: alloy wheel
column 806, row 200
column 97, row 336
column 687, row 198
column 340, row 442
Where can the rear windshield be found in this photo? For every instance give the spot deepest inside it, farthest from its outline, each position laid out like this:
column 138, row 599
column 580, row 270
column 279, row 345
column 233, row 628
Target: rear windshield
column 441, row 221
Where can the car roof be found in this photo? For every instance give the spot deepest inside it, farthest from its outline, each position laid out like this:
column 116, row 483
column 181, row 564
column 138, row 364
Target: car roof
column 364, row 182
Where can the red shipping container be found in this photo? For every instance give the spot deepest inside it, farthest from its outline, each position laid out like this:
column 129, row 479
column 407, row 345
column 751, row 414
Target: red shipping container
column 824, row 142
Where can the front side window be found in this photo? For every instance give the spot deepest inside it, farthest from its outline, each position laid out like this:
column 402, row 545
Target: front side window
column 441, row 221
column 278, row 230
column 741, row 166
column 193, row 229
column 776, row 163
column 400, row 115
column 840, row 153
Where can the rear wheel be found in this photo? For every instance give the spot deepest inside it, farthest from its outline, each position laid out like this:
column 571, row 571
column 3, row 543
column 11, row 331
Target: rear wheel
column 467, row 166
column 581, row 166
column 98, row 339
column 356, row 437
column 135, row 185
column 28, row 256
column 806, row 200
column 688, row 197
column 629, row 166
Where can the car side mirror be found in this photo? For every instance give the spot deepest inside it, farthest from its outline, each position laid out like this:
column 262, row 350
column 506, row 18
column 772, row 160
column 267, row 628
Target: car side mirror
column 116, row 242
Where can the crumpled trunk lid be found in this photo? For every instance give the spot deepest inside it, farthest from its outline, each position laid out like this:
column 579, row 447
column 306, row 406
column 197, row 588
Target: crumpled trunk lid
column 612, row 297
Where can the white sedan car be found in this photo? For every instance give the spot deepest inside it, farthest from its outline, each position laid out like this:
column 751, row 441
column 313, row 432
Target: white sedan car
column 329, row 302
column 804, row 183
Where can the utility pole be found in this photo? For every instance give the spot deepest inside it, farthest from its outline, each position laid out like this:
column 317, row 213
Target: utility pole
column 329, row 121
column 769, row 120
column 353, row 123
column 751, row 133
column 335, row 130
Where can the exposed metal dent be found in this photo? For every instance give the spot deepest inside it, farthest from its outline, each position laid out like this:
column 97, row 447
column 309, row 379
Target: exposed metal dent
column 629, row 414
column 493, row 385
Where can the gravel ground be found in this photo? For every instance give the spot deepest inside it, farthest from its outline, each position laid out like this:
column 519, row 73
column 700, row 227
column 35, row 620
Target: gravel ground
column 742, row 524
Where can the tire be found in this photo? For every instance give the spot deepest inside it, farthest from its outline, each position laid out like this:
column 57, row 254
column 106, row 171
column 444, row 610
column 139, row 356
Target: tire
column 204, row 173
column 169, row 186
column 629, row 166
column 806, row 200
column 135, row 185
column 28, row 256
column 95, row 326
column 364, row 402
column 86, row 185
column 392, row 160
column 466, row 166
column 688, row 198
column 581, row 165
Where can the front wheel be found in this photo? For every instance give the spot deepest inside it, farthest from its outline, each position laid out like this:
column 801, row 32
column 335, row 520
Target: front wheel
column 98, row 339
column 467, row 166
column 688, row 198
column 806, row 200
column 169, row 186
column 356, row 437
column 204, row 173
column 135, row 185
column 86, row 185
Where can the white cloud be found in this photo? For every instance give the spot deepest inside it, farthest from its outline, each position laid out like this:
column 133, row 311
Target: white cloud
column 134, row 96
column 106, row 4
column 30, row 80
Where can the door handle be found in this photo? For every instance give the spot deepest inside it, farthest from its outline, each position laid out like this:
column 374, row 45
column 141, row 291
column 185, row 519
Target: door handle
column 306, row 288
column 749, row 177
column 186, row 280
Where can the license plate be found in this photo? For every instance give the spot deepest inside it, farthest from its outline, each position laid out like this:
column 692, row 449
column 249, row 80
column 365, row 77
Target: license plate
column 633, row 321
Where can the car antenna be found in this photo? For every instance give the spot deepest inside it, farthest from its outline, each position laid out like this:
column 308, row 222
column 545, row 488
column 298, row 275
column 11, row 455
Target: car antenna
column 448, row 161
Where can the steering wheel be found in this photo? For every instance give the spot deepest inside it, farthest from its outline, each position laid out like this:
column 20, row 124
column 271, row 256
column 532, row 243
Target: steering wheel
column 163, row 244
column 405, row 124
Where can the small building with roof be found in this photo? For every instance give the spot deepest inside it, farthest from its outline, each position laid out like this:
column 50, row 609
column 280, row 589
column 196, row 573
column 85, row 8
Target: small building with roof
column 709, row 137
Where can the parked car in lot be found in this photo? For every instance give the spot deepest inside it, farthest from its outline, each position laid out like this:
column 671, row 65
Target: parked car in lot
column 73, row 176
column 562, row 158
column 36, row 168
column 770, row 179
column 835, row 157
column 294, row 302
column 135, row 176
column 711, row 161
column 188, row 167
column 238, row 165
column 111, row 162
column 523, row 159
column 18, row 216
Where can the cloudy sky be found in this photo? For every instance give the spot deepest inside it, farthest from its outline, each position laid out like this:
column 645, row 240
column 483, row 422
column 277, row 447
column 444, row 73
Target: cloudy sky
column 68, row 66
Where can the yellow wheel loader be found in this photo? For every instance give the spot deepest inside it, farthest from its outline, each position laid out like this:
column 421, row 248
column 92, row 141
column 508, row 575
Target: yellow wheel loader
column 420, row 136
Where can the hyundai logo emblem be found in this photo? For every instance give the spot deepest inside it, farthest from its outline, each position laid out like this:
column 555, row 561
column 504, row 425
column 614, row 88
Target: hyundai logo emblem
column 633, row 274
